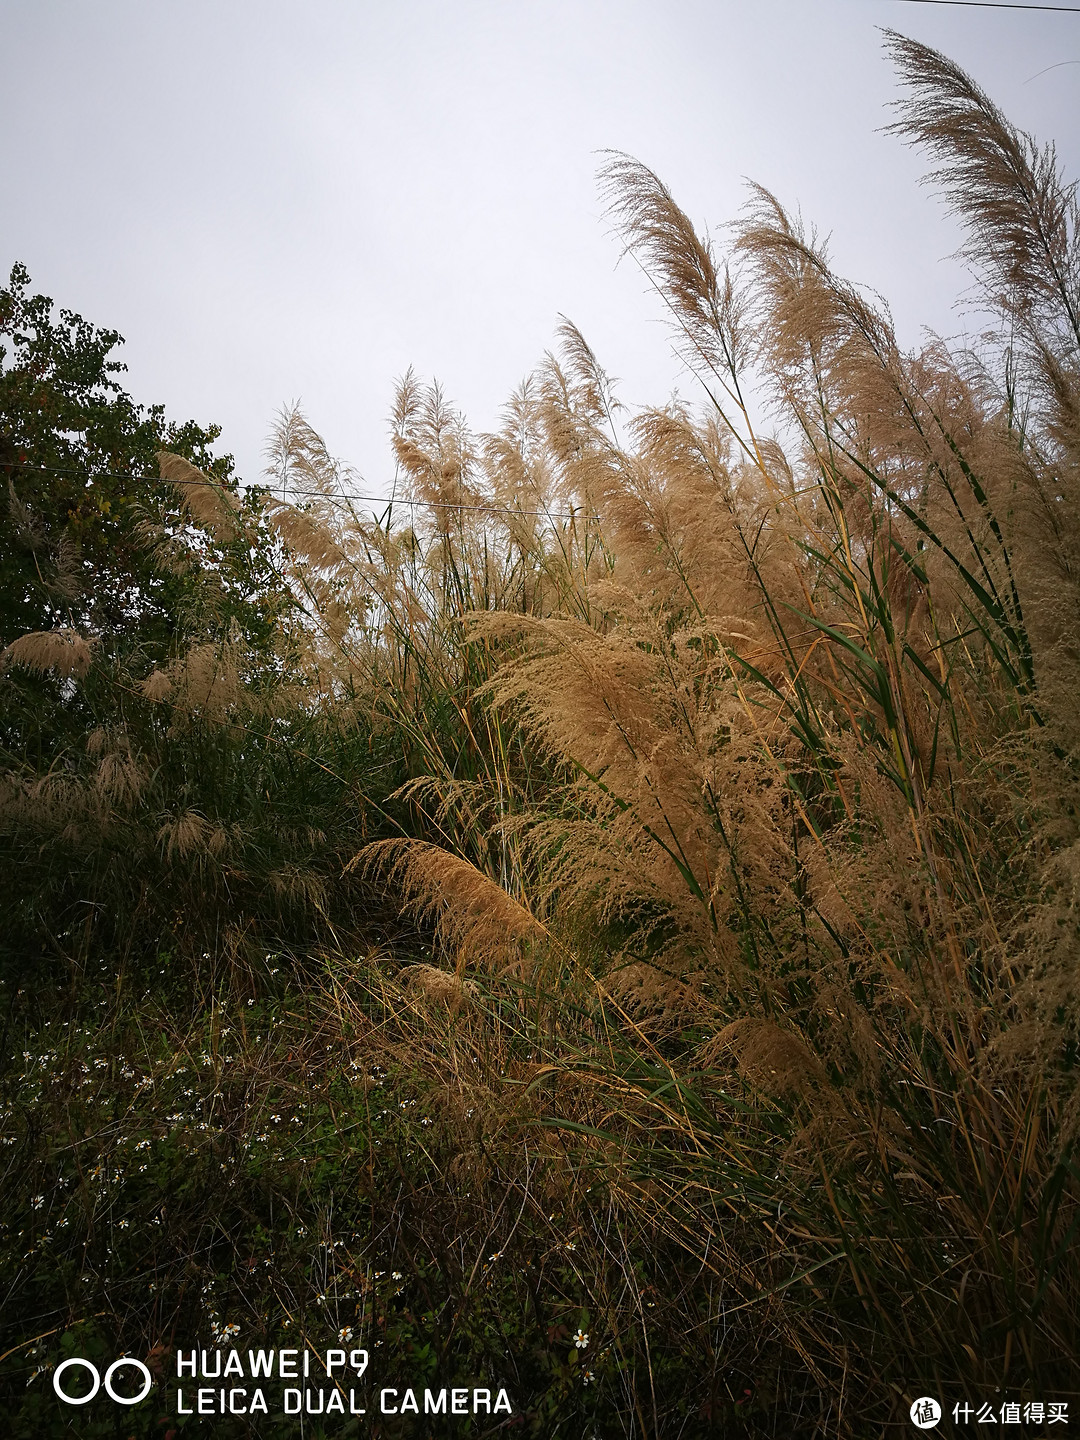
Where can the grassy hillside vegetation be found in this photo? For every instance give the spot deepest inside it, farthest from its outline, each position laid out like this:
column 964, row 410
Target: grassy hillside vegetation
column 606, row 926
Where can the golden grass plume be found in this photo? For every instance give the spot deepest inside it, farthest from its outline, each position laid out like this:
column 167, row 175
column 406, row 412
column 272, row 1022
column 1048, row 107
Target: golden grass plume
column 473, row 916
column 63, row 651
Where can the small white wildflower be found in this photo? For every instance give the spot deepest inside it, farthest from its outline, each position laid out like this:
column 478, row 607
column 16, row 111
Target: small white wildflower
column 345, row 1333
column 581, row 1340
column 37, row 1201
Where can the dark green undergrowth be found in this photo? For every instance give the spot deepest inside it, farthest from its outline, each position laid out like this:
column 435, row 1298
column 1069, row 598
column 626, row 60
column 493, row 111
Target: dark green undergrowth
column 293, row 1162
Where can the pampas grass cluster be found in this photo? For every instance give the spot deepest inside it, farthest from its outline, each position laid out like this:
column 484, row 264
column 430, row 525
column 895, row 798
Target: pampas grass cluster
column 740, row 745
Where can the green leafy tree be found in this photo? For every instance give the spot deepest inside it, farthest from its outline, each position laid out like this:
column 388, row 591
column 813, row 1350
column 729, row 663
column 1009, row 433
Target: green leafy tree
column 77, row 461
column 148, row 809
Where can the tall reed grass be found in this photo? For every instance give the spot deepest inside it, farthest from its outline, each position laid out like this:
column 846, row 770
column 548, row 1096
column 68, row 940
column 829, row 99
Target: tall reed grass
column 731, row 756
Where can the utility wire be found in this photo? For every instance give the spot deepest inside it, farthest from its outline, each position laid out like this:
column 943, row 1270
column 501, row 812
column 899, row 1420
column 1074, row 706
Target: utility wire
column 996, row 5
column 337, row 496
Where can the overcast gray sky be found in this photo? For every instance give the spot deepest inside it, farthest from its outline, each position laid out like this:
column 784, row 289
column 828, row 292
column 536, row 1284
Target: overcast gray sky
column 275, row 200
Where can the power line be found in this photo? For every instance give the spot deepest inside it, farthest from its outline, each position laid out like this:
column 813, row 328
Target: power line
column 337, row 496
column 1058, row 66
column 996, row 5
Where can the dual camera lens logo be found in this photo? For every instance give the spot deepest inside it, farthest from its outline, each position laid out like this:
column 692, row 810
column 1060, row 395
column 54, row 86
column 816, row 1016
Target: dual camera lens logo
column 925, row 1412
column 97, row 1381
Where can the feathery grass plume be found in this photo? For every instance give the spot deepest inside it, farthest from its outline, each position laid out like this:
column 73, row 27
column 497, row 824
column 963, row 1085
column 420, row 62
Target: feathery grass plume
column 213, row 507
column 309, row 541
column 436, row 452
column 440, row 985
column 300, row 884
column 777, row 1061
column 157, row 686
column 1021, row 216
column 595, row 396
column 514, row 458
column 1023, row 243
column 122, row 777
column 207, row 679
column 66, row 581
column 298, row 460
column 704, row 303
column 185, row 834
column 63, row 651
column 667, row 817
column 473, row 917
column 315, row 523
